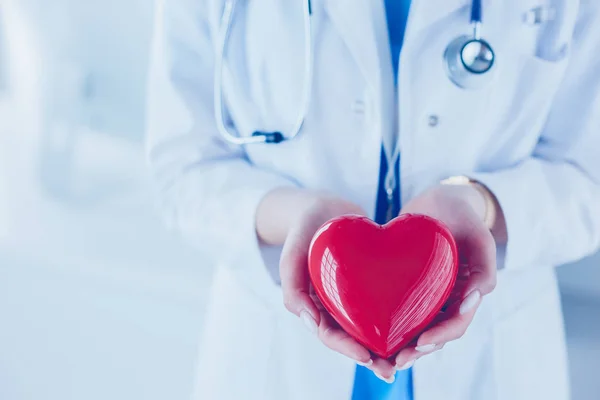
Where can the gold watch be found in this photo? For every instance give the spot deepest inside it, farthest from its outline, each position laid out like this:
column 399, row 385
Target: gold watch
column 490, row 204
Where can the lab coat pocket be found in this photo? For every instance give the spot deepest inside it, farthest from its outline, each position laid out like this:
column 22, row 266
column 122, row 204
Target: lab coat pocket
column 530, row 64
column 529, row 349
column 519, row 104
column 540, row 28
column 527, row 86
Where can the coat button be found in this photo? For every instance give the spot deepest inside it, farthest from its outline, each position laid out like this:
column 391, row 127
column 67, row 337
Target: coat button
column 358, row 107
column 539, row 15
column 433, row 121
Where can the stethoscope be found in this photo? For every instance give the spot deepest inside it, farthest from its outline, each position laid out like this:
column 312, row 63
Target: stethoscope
column 468, row 61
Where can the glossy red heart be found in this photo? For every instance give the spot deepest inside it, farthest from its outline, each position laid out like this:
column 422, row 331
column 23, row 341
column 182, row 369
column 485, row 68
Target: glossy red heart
column 383, row 284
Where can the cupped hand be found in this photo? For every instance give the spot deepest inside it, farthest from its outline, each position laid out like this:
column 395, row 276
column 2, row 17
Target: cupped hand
column 461, row 208
column 298, row 293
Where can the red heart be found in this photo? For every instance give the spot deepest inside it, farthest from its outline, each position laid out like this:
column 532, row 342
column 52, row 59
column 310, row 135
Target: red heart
column 383, row 284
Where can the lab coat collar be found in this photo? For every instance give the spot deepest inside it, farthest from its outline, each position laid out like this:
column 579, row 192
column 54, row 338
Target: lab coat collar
column 362, row 25
column 423, row 13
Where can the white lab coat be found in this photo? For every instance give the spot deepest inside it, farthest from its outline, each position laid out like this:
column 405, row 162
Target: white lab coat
column 531, row 136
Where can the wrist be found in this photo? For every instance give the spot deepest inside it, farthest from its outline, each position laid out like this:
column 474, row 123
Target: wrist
column 478, row 196
column 276, row 212
column 462, row 196
column 282, row 208
column 491, row 205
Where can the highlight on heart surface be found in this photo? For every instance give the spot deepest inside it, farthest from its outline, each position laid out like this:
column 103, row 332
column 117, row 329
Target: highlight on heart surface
column 383, row 284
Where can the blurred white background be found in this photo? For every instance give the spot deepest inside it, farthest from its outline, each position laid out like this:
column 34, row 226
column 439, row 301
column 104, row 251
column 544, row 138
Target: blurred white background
column 97, row 300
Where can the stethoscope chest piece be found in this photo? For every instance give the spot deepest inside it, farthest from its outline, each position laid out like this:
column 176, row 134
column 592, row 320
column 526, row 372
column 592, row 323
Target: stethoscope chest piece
column 469, row 59
column 469, row 62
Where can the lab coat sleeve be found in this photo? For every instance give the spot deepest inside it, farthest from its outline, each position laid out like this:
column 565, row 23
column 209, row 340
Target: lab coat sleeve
column 551, row 201
column 208, row 191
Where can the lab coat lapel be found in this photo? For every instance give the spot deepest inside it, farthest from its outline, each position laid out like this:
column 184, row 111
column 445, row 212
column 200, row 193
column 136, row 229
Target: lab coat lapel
column 362, row 26
column 426, row 12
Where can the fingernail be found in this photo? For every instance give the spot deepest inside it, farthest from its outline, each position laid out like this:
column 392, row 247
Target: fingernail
column 406, row 366
column 389, row 380
column 309, row 322
column 427, row 348
column 367, row 364
column 469, row 302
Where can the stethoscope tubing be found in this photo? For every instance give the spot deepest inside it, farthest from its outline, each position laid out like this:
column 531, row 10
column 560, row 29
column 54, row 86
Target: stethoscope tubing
column 278, row 137
column 261, row 137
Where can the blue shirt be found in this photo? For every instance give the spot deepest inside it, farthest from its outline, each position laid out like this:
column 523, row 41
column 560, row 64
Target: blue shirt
column 366, row 385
